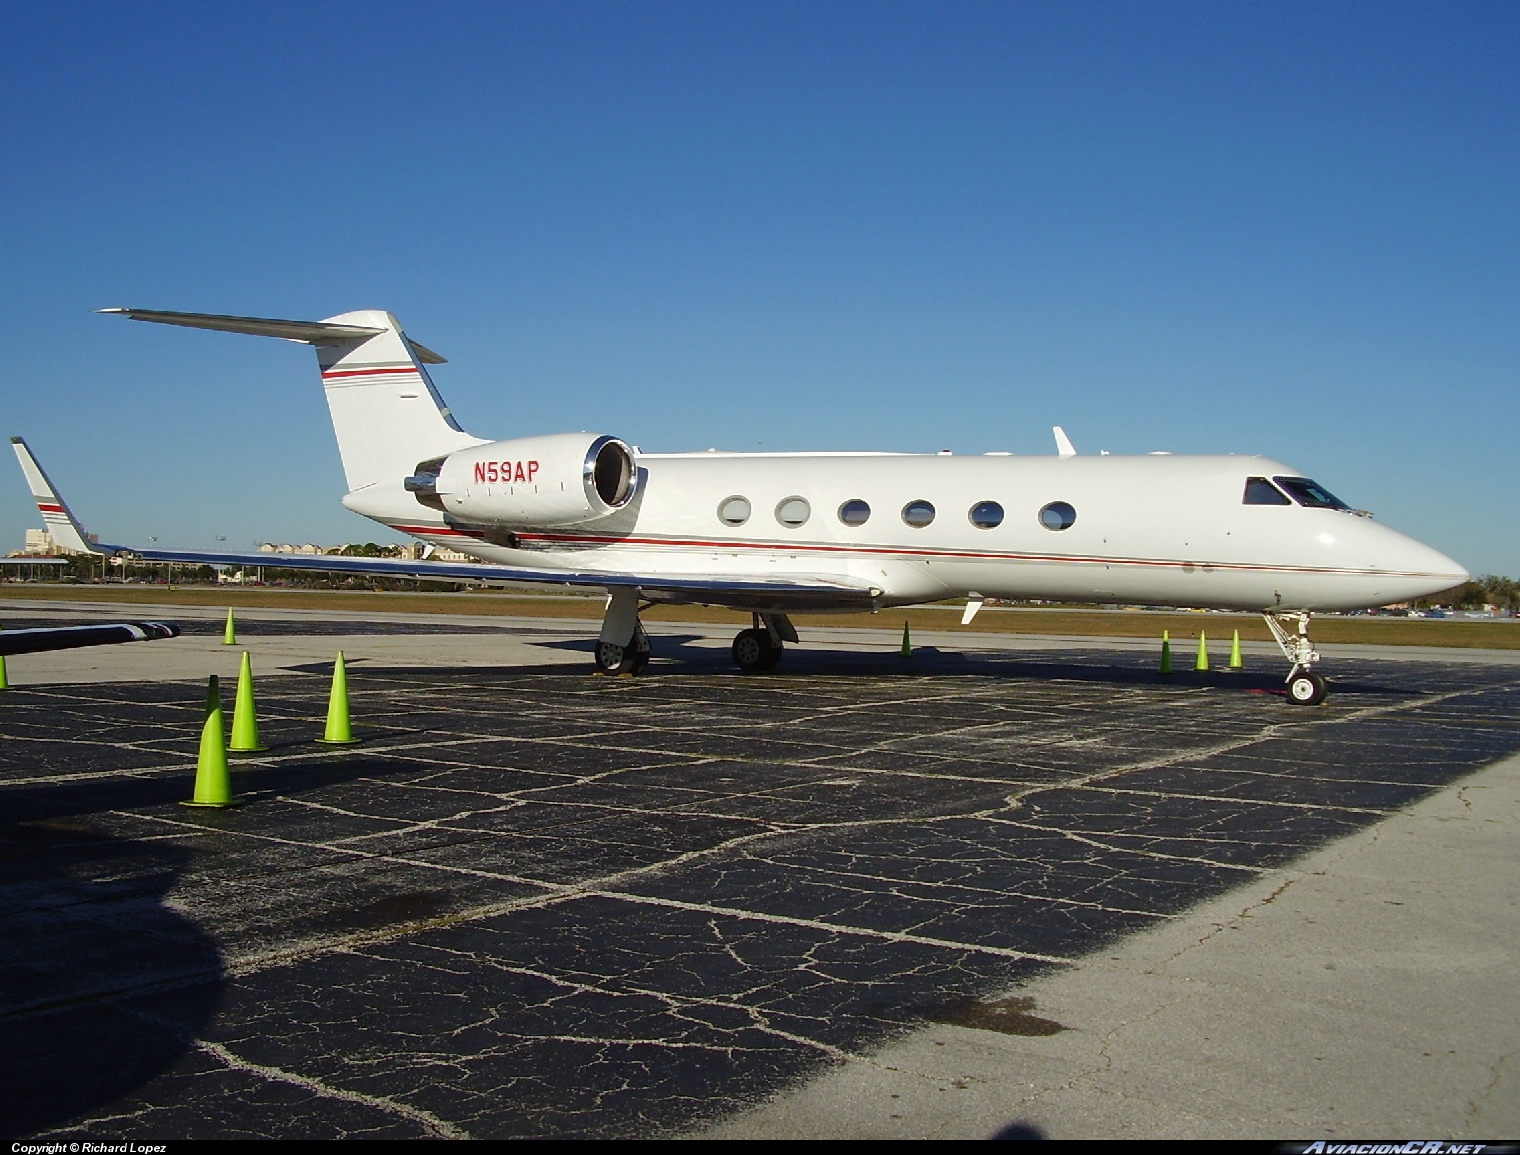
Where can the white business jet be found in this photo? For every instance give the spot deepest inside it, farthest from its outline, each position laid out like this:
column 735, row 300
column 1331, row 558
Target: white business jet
column 786, row 533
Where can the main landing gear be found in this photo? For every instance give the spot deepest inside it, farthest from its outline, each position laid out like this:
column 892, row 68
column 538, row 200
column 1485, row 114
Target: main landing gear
column 1305, row 687
column 629, row 659
column 759, row 648
column 623, row 646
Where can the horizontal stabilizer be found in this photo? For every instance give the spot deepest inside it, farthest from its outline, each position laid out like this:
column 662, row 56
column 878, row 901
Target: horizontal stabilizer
column 307, row 332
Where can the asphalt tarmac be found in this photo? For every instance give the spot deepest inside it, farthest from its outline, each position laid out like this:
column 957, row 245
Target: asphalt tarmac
column 535, row 902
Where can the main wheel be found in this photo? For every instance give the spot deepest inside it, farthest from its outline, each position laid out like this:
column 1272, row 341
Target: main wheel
column 642, row 651
column 1307, row 689
column 612, row 659
column 753, row 650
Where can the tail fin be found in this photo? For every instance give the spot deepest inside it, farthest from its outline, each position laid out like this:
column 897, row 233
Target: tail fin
column 386, row 412
column 61, row 524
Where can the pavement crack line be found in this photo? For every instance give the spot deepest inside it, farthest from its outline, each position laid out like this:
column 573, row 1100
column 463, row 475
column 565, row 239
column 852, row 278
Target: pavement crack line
column 567, row 892
column 437, row 1128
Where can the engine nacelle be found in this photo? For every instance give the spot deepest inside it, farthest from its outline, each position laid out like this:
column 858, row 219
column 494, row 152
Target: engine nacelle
column 560, row 480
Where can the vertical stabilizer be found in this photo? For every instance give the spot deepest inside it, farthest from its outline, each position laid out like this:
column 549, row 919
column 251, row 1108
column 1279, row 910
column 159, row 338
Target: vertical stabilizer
column 385, row 410
column 61, row 524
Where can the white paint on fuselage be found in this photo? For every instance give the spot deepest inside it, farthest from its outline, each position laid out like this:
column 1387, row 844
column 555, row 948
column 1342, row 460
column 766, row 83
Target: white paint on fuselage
column 1155, row 529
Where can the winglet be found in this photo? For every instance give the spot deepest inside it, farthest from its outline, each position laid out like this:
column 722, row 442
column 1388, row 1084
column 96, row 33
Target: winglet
column 61, row 524
column 1064, row 447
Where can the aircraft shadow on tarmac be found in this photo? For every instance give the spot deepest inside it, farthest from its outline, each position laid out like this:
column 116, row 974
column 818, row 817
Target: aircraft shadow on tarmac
column 103, row 986
column 68, row 1046
column 681, row 655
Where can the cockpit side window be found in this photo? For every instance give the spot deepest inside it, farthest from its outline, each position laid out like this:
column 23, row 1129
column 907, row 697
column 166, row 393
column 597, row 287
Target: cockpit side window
column 1310, row 493
column 1260, row 491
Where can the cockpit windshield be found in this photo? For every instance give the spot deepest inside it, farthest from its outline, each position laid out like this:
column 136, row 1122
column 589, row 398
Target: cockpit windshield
column 1260, row 491
column 1310, row 493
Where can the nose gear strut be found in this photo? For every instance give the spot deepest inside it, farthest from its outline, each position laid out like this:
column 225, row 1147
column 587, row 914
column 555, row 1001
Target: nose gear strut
column 1305, row 687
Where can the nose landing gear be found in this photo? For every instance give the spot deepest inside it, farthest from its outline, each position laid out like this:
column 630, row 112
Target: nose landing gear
column 1305, row 687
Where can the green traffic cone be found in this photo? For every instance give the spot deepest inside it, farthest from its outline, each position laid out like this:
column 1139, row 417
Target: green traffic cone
column 213, row 782
column 1203, row 652
column 5, row 682
column 907, row 646
column 339, row 732
column 245, row 718
column 1236, row 661
column 1166, row 652
column 229, row 635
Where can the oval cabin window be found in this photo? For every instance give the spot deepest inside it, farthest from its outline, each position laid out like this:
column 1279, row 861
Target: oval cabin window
column 734, row 511
column 986, row 515
column 1058, row 515
column 855, row 512
column 793, row 511
column 918, row 514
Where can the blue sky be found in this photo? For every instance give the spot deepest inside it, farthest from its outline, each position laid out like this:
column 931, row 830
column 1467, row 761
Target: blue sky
column 1278, row 228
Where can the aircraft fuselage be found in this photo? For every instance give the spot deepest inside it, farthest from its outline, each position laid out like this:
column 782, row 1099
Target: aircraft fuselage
column 1154, row 529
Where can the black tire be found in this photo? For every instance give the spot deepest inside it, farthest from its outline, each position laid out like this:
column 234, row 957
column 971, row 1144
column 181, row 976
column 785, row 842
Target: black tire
column 612, row 659
column 641, row 651
column 752, row 649
column 777, row 649
column 1307, row 689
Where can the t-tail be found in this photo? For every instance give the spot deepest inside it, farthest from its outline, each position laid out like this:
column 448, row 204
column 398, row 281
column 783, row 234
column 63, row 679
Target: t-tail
column 386, row 412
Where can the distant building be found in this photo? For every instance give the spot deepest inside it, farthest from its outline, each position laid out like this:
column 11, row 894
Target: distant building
column 40, row 543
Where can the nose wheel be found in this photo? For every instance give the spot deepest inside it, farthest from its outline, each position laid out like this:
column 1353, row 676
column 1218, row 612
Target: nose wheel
column 1305, row 687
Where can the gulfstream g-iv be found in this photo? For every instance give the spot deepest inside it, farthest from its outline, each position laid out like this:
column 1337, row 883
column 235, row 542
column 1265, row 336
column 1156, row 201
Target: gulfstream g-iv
column 782, row 534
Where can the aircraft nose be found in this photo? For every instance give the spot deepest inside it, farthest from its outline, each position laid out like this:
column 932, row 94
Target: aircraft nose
column 1431, row 568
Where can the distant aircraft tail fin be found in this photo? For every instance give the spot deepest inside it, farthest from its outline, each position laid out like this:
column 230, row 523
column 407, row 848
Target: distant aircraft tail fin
column 386, row 412
column 60, row 523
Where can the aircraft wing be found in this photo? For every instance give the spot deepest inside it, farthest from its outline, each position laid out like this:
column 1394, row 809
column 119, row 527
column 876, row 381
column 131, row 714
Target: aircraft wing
column 38, row 641
column 802, row 589
column 820, row 586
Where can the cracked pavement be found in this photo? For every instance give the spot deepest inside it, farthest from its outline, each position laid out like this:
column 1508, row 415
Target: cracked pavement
column 534, row 902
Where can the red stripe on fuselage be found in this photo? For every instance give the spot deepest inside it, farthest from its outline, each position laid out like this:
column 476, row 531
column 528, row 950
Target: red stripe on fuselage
column 438, row 531
column 364, row 372
column 976, row 555
column 886, row 551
